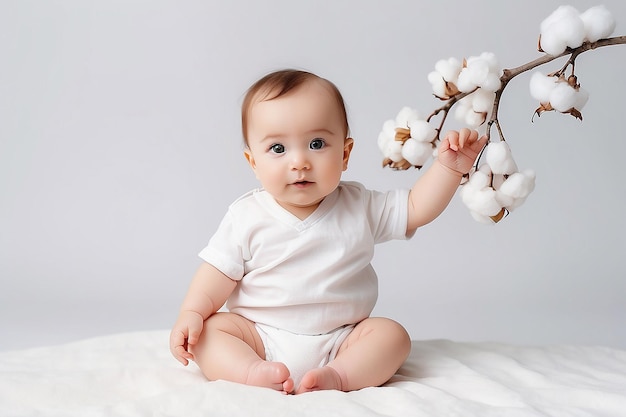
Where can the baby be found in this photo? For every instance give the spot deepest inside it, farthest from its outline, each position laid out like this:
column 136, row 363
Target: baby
column 292, row 259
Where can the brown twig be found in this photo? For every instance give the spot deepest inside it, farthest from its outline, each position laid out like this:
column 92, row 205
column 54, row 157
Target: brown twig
column 509, row 74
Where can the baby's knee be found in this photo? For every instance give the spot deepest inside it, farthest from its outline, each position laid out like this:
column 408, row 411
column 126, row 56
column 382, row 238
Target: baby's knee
column 396, row 333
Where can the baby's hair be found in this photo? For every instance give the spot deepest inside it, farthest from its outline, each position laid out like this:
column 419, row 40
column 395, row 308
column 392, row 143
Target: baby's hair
column 279, row 83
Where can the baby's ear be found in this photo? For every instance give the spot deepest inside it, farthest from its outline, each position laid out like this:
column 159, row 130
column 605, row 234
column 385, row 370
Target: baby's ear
column 347, row 148
column 248, row 154
column 250, row 158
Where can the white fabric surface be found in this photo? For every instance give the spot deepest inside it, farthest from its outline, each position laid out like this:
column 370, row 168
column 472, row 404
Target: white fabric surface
column 133, row 374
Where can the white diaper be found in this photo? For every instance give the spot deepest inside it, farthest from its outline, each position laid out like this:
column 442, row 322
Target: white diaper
column 301, row 353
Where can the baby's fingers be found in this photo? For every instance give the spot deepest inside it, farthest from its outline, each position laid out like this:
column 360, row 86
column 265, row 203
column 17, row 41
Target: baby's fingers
column 467, row 136
column 182, row 355
column 194, row 336
column 451, row 140
column 477, row 144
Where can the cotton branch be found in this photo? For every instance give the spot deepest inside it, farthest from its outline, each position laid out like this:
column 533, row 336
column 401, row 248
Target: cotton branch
column 496, row 186
column 509, row 74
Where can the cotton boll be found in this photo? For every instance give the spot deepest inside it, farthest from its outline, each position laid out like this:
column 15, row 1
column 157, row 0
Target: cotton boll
column 465, row 112
column 475, row 119
column 485, row 169
column 563, row 97
column 519, row 184
column 417, row 153
column 386, row 135
column 541, row 86
column 564, row 24
column 505, row 200
column 499, row 157
column 422, row 131
column 438, row 84
column 518, row 202
column 465, row 83
column 449, row 68
column 581, row 99
column 480, row 71
column 492, row 62
column 383, row 140
column 393, row 151
column 492, row 82
column 478, row 68
column 406, row 115
column 481, row 201
column 517, row 187
column 599, row 23
column 463, row 106
column 479, row 179
column 552, row 43
column 482, row 100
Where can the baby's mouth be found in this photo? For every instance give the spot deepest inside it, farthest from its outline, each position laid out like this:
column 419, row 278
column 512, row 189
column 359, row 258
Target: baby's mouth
column 301, row 184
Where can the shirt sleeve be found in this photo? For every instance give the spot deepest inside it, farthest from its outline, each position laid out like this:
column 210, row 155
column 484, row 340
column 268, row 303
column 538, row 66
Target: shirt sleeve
column 388, row 214
column 224, row 250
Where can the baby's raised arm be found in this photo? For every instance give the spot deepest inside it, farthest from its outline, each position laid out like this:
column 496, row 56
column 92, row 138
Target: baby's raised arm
column 208, row 292
column 435, row 188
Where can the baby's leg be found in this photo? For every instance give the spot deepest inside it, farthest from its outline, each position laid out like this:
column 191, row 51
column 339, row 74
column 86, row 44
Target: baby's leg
column 369, row 356
column 230, row 349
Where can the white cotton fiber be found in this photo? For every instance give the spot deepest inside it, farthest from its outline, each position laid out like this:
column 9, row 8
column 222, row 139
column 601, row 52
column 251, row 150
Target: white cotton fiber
column 481, row 201
column 480, row 71
column 552, row 44
column 386, row 135
column 599, row 23
column 480, row 179
column 514, row 191
column 541, row 86
column 492, row 62
column 563, row 28
column 462, row 107
column 582, row 96
column 475, row 119
column 449, row 68
column 406, row 115
column 417, row 153
column 482, row 100
column 505, row 200
column 422, row 131
column 438, row 84
column 563, row 97
column 499, row 157
column 473, row 75
column 393, row 151
column 465, row 82
column 492, row 82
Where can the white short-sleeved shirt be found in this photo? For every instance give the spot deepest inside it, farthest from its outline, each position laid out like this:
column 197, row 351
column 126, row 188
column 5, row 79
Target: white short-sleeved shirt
column 306, row 276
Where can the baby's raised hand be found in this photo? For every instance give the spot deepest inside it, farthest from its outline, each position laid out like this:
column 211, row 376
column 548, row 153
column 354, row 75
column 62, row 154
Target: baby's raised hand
column 458, row 150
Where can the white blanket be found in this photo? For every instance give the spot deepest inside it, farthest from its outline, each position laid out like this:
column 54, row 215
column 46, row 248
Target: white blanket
column 134, row 375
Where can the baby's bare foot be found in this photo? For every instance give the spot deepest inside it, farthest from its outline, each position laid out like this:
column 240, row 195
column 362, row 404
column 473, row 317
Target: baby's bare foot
column 320, row 379
column 273, row 375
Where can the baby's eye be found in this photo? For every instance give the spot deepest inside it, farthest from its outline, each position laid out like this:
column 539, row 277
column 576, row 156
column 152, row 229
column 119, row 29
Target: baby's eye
column 277, row 148
column 317, row 144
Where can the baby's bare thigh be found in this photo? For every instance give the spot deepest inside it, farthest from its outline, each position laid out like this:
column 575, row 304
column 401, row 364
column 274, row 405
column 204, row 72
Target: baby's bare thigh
column 382, row 327
column 236, row 326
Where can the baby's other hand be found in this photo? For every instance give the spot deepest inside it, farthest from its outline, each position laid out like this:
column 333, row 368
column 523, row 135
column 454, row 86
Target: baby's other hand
column 185, row 333
column 458, row 150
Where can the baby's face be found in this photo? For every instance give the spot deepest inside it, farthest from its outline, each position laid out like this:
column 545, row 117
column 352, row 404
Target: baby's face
column 297, row 146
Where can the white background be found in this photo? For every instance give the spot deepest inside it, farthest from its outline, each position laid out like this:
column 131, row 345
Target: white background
column 120, row 150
